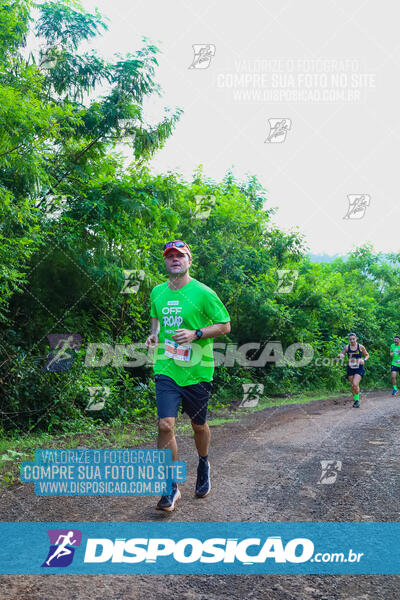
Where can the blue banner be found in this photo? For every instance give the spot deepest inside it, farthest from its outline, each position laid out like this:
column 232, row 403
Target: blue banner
column 200, row 548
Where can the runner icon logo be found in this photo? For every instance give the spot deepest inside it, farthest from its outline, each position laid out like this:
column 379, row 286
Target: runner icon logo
column 133, row 278
column 250, row 395
column 98, row 397
column 203, row 54
column 63, row 346
column 286, row 280
column 62, row 547
column 357, row 205
column 330, row 470
column 278, row 129
column 204, row 204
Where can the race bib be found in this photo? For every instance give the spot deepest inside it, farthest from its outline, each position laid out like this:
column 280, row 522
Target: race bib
column 178, row 351
column 353, row 363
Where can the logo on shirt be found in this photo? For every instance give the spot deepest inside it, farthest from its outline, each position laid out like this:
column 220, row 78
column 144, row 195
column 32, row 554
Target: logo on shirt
column 171, row 316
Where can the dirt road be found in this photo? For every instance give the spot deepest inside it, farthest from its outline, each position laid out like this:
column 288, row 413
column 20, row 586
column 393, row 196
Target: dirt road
column 264, row 468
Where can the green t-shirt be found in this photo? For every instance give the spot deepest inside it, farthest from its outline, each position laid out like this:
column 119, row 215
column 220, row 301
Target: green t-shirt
column 396, row 355
column 192, row 307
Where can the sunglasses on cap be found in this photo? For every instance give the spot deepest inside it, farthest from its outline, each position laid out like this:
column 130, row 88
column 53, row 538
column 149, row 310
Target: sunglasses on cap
column 177, row 244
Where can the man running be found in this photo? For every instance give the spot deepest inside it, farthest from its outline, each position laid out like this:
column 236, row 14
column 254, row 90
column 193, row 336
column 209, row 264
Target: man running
column 355, row 366
column 61, row 549
column 185, row 316
column 395, row 366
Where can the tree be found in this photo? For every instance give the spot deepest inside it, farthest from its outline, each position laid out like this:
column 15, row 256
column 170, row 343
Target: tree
column 53, row 140
column 59, row 170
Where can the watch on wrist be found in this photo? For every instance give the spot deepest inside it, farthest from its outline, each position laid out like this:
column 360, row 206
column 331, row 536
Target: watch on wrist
column 199, row 333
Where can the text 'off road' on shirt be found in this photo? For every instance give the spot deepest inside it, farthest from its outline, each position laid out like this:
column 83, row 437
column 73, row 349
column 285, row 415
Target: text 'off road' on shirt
column 194, row 306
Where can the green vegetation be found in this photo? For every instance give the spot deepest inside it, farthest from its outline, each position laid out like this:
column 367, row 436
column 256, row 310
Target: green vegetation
column 74, row 217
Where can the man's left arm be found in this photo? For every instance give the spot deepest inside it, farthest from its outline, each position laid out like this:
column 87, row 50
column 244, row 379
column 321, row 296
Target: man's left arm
column 214, row 310
column 215, row 330
column 185, row 336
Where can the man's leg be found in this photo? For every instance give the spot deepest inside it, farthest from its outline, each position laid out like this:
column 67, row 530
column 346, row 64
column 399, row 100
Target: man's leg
column 195, row 403
column 356, row 389
column 353, row 390
column 166, row 436
column 202, row 436
column 350, row 378
column 356, row 383
column 393, row 376
column 168, row 401
column 166, row 441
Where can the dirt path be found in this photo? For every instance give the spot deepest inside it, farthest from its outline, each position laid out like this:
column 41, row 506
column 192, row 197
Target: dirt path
column 265, row 468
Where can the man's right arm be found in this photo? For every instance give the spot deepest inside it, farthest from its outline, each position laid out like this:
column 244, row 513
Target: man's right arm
column 152, row 340
column 155, row 326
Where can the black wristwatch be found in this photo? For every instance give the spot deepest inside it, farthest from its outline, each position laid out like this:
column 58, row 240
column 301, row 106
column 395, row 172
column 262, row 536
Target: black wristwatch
column 199, row 333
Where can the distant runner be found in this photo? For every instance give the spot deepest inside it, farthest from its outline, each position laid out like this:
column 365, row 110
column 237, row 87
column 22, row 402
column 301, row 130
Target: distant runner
column 355, row 366
column 185, row 315
column 395, row 367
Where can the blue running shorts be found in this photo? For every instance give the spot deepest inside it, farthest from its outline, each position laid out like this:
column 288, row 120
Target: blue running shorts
column 194, row 398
